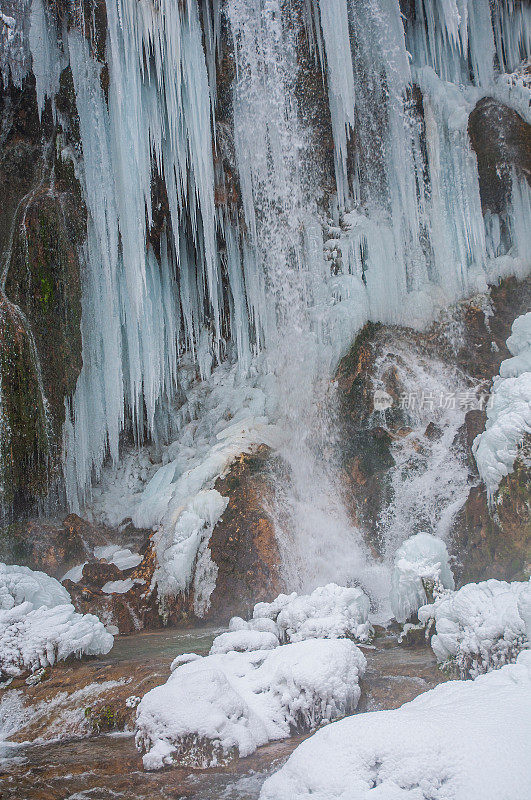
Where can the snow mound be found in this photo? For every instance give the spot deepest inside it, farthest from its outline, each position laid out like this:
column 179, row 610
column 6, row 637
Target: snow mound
column 508, row 410
column 329, row 612
column 244, row 640
column 38, row 624
column 459, row 740
column 479, row 627
column 227, row 704
column 21, row 584
column 421, row 565
column 34, row 638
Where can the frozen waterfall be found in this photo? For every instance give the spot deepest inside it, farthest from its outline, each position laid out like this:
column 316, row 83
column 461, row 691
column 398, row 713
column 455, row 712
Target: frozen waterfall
column 260, row 276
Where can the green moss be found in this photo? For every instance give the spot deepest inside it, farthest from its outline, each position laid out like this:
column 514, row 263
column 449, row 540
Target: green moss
column 40, row 328
column 25, row 444
column 102, row 719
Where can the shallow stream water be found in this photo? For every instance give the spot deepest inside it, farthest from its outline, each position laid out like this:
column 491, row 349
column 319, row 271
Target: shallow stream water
column 107, row 767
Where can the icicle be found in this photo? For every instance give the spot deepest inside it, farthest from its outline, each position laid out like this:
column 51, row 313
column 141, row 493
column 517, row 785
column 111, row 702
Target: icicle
column 512, row 32
column 341, row 96
column 45, row 54
column 15, row 57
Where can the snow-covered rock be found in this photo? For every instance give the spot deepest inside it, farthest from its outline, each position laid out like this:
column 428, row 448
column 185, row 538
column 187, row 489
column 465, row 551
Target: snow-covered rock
column 421, row 563
column 21, row 584
column 329, row 612
column 508, row 410
column 34, row 638
column 243, row 641
column 461, row 740
column 225, row 705
column 479, row 628
column 39, row 625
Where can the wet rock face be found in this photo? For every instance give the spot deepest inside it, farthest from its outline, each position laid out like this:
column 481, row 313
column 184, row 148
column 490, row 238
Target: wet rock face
column 41, row 232
column 485, row 543
column 501, row 140
column 243, row 543
column 49, row 546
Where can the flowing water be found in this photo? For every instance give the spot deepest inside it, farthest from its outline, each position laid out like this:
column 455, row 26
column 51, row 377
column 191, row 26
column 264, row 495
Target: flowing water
column 108, row 766
column 268, row 289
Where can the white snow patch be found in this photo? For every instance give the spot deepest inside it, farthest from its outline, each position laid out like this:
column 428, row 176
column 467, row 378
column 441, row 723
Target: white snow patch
column 479, row 627
column 225, row 705
column 459, row 740
column 75, row 574
column 244, row 640
column 421, row 562
column 122, row 557
column 117, row 587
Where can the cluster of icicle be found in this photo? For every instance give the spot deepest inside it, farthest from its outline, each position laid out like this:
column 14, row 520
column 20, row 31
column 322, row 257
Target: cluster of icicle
column 405, row 219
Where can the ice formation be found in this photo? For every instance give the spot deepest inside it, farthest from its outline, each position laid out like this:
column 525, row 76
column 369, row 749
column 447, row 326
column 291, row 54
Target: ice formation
column 38, row 624
column 274, row 291
column 479, row 627
column 224, row 705
column 329, row 612
column 23, row 585
column 459, row 740
column 508, row 410
column 421, row 568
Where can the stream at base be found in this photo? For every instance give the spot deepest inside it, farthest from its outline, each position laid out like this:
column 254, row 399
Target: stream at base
column 108, row 766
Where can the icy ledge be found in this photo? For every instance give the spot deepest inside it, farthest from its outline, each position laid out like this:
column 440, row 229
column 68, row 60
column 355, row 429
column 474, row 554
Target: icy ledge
column 226, row 705
column 38, row 624
column 508, row 410
column 460, row 740
column 480, row 627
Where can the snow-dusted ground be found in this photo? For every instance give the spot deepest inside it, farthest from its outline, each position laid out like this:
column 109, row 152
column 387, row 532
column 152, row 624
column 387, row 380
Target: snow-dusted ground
column 420, row 563
column 329, row 612
column 38, row 624
column 479, row 627
column 228, row 704
column 459, row 741
column 508, row 410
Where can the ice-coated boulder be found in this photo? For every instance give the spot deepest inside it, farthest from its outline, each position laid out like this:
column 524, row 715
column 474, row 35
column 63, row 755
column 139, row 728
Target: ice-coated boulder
column 227, row 704
column 480, row 627
column 39, row 625
column 461, row 740
column 421, row 565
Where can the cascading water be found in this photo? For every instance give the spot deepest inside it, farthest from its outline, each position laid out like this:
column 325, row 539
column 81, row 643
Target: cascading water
column 262, row 297
column 430, row 478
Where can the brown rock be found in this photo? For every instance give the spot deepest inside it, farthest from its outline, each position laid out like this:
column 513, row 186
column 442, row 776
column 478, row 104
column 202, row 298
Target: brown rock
column 97, row 573
column 491, row 545
column 53, row 547
column 432, row 431
column 243, row 543
column 45, row 545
